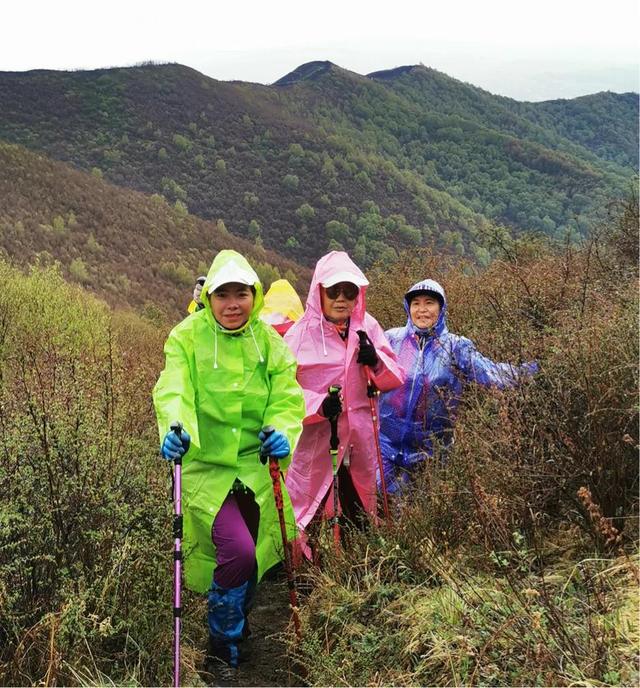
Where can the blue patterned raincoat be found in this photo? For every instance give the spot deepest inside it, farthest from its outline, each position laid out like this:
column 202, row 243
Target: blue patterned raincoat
column 421, row 414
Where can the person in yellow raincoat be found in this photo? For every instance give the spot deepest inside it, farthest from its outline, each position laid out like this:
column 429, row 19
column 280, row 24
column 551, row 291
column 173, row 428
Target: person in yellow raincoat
column 282, row 306
column 227, row 375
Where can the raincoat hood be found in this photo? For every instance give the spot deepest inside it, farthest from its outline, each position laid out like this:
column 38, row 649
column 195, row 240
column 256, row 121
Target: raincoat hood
column 281, row 303
column 336, row 264
column 428, row 285
column 231, row 266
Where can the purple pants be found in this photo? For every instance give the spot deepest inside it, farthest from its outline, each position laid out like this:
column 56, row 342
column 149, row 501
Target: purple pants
column 234, row 533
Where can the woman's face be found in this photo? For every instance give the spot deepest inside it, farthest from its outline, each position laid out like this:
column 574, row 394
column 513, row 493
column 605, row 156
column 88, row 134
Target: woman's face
column 339, row 300
column 231, row 304
column 424, row 311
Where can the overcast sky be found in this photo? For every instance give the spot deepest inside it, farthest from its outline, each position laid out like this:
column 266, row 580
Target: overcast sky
column 526, row 50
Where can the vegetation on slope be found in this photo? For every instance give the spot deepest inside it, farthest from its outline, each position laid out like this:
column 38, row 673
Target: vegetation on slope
column 516, row 562
column 128, row 247
column 495, row 571
column 327, row 158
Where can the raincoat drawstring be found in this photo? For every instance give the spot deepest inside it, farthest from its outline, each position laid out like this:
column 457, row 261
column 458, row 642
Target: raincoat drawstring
column 324, row 347
column 256, row 344
column 215, row 349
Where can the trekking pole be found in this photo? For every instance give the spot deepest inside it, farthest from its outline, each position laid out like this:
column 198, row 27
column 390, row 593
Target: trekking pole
column 372, row 392
column 177, row 555
column 334, row 442
column 274, row 472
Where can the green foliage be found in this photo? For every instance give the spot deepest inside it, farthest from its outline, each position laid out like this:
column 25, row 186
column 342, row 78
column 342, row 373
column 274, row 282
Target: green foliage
column 88, row 501
column 172, row 190
column 78, row 270
column 291, row 243
column 93, row 245
column 178, row 273
column 267, row 274
column 250, row 199
column 182, row 142
column 180, row 209
column 253, row 230
column 305, row 213
column 446, row 156
column 290, row 182
column 58, row 223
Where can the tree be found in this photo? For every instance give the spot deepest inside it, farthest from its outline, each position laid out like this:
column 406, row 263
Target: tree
column 305, row 213
column 78, row 270
column 338, row 231
column 253, row 230
column 290, row 182
column 182, row 142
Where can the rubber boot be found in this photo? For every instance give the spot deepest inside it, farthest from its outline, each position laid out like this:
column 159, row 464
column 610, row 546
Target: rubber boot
column 226, row 624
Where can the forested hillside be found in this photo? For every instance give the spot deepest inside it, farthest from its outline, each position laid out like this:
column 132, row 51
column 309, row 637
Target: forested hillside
column 327, row 158
column 127, row 247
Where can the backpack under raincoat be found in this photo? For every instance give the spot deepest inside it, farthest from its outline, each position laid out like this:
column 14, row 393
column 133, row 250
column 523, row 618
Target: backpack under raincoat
column 421, row 413
column 325, row 359
column 224, row 386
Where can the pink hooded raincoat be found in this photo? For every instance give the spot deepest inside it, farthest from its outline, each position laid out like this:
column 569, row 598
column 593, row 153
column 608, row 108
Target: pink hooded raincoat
column 325, row 359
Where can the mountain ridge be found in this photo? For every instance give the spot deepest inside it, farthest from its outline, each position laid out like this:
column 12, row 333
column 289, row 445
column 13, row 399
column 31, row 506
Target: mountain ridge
column 331, row 158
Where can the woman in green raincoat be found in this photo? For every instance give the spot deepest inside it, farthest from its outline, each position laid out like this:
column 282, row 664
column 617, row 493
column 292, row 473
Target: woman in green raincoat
column 227, row 375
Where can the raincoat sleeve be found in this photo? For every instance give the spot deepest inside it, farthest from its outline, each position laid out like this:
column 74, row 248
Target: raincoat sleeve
column 285, row 408
column 388, row 374
column 173, row 395
column 485, row 372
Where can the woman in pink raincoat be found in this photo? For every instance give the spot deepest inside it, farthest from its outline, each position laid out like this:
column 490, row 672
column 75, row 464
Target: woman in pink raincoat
column 327, row 347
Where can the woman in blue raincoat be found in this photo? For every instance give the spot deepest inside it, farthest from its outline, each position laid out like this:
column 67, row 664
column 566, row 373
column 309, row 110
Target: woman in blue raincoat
column 421, row 414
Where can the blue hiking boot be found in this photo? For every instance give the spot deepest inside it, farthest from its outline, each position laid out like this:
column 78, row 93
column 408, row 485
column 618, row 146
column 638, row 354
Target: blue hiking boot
column 226, row 623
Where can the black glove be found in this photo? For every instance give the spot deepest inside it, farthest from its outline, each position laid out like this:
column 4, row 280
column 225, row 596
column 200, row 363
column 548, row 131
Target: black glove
column 331, row 406
column 367, row 354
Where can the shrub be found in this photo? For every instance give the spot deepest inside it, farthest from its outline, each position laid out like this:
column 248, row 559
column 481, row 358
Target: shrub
column 182, row 142
column 78, row 270
column 305, row 213
column 515, row 561
column 290, row 182
column 80, row 594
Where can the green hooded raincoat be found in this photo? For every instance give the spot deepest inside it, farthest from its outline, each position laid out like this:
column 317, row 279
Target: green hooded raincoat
column 224, row 386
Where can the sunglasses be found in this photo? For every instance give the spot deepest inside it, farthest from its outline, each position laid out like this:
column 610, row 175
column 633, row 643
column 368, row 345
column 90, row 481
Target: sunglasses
column 348, row 289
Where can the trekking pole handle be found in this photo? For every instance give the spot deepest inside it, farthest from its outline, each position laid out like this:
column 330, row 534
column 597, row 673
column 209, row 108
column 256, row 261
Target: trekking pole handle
column 334, row 391
column 371, row 388
column 267, row 431
column 177, row 427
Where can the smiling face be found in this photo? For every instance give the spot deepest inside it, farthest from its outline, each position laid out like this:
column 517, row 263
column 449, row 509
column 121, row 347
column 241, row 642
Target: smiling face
column 424, row 311
column 231, row 304
column 339, row 300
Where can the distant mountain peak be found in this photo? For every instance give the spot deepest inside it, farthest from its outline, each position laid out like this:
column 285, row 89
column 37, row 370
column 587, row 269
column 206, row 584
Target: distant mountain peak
column 386, row 74
column 306, row 71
